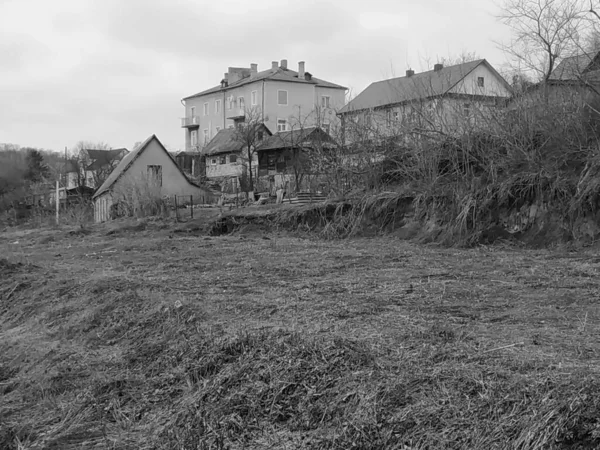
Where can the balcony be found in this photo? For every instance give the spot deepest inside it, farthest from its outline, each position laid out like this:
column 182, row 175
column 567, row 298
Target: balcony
column 190, row 122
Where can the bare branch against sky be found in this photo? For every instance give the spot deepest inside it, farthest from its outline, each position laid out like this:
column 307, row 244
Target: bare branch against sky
column 115, row 71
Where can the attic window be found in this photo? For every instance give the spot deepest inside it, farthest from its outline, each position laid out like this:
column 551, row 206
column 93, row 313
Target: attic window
column 260, row 135
column 480, row 81
column 155, row 175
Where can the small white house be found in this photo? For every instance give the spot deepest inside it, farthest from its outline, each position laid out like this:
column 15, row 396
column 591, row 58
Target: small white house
column 148, row 169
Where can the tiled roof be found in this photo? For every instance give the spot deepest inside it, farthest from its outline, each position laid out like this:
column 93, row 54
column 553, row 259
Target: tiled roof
column 278, row 74
column 287, row 139
column 416, row 87
column 102, row 158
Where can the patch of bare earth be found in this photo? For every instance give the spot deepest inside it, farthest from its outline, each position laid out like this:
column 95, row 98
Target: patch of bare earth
column 146, row 338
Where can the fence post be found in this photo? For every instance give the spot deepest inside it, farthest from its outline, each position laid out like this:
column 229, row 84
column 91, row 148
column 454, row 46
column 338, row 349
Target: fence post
column 192, row 205
column 176, row 209
column 58, row 204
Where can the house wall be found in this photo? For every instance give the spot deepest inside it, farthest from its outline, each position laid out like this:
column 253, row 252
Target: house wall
column 102, row 207
column 229, row 169
column 302, row 99
column 493, row 86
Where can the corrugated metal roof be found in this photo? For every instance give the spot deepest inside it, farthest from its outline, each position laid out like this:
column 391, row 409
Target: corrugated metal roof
column 416, row 87
column 278, row 74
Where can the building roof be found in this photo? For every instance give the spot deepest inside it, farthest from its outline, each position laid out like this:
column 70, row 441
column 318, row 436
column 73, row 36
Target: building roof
column 128, row 161
column 574, row 67
column 71, row 166
column 225, row 141
column 278, row 74
column 295, row 138
column 416, row 87
column 102, row 158
column 228, row 141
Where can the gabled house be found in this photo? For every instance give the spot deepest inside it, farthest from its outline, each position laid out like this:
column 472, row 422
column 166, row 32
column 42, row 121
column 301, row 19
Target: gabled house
column 147, row 173
column 290, row 156
column 279, row 96
column 92, row 167
column 445, row 99
column 573, row 83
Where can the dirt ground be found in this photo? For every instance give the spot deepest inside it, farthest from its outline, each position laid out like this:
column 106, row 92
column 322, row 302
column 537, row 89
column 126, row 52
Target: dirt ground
column 156, row 335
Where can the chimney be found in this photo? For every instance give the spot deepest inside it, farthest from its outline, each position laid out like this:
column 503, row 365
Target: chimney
column 274, row 64
column 225, row 80
column 253, row 69
column 301, row 70
column 283, row 64
column 438, row 67
column 409, row 73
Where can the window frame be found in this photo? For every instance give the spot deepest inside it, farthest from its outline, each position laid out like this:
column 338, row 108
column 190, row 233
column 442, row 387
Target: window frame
column 325, row 103
column 285, row 121
column 232, row 159
column 156, row 175
column 287, row 100
column 206, row 108
column 206, row 135
column 253, row 98
column 241, row 102
column 480, row 81
column 194, row 137
column 217, row 106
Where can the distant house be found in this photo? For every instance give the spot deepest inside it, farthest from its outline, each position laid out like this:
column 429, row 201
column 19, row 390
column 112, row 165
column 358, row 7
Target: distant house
column 574, row 83
column 280, row 95
column 286, row 158
column 149, row 170
column 226, row 156
column 444, row 99
column 92, row 167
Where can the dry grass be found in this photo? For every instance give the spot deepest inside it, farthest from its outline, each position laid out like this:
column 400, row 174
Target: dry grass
column 145, row 338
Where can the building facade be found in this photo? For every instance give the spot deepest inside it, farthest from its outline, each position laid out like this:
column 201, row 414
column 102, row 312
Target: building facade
column 282, row 98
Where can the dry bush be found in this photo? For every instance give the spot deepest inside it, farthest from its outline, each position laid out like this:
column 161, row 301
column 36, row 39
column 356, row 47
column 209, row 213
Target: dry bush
column 139, row 197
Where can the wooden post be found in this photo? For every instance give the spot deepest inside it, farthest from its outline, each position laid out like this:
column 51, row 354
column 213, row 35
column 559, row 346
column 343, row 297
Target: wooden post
column 176, row 209
column 57, row 204
column 192, row 205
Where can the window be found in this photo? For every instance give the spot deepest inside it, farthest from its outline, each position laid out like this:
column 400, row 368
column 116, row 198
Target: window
column 155, row 175
column 194, row 137
column 467, row 109
column 480, row 81
column 281, row 124
column 230, row 102
column 222, row 159
column 282, row 97
column 206, row 109
column 192, row 111
column 260, row 136
column 241, row 102
column 232, row 158
column 213, row 162
column 326, row 127
column 253, row 98
column 217, row 106
column 325, row 101
column 396, row 116
column 205, row 132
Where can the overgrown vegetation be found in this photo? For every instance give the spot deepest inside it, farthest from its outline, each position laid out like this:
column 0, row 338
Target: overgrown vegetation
column 139, row 339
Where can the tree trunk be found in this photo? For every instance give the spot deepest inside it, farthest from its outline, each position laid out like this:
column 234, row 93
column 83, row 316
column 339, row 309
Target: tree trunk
column 250, row 179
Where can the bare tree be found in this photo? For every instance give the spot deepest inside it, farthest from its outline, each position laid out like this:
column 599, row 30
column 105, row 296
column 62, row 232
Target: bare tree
column 247, row 132
column 544, row 32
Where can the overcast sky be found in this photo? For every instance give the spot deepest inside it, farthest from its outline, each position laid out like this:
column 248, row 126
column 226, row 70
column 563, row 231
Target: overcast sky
column 115, row 70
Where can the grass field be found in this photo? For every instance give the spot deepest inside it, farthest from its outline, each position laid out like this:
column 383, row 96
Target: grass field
column 144, row 337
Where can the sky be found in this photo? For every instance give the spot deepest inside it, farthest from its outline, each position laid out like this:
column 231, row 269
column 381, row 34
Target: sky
column 115, row 71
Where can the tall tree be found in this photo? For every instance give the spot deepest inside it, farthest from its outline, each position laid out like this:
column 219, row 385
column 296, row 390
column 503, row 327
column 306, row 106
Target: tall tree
column 544, row 32
column 37, row 169
column 247, row 132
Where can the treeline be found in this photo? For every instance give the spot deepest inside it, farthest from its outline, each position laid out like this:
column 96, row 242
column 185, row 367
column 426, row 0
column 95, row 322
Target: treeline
column 23, row 169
